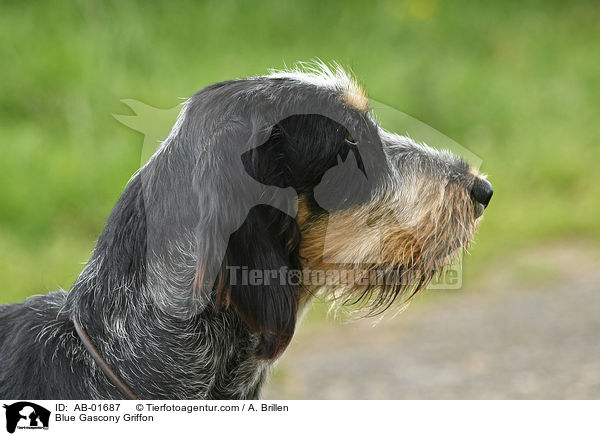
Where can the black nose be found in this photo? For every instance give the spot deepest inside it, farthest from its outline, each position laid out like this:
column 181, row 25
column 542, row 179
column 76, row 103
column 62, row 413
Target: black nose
column 482, row 191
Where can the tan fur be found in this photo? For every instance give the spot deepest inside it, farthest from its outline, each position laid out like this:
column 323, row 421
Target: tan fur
column 303, row 211
column 356, row 97
column 380, row 235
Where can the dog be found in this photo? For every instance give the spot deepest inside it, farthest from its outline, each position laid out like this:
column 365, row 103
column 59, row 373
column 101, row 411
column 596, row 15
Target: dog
column 267, row 192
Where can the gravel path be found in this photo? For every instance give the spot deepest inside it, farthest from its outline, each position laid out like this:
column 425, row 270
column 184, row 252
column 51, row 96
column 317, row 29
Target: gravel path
column 528, row 342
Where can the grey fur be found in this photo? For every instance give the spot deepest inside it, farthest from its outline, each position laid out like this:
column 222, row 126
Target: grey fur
column 136, row 295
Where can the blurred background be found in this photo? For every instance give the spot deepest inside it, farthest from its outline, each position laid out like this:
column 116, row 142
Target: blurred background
column 517, row 83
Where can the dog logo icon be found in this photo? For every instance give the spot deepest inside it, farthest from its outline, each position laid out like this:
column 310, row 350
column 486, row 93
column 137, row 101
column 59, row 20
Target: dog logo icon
column 26, row 415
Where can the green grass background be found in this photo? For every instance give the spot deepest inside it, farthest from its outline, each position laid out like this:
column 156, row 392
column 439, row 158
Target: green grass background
column 515, row 82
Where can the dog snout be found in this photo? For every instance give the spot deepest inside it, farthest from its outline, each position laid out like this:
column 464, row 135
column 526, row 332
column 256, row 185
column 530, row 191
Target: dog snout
column 482, row 191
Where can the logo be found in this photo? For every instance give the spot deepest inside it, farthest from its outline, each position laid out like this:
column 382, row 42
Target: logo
column 26, row 415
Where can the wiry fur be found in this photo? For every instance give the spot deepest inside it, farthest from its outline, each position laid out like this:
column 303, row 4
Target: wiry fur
column 222, row 191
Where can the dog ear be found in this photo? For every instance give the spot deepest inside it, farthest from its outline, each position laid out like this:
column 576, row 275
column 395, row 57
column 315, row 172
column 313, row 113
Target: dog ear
column 254, row 276
column 224, row 192
column 254, row 279
column 242, row 222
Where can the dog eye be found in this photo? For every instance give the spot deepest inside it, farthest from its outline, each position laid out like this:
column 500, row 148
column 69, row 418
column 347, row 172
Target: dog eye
column 350, row 140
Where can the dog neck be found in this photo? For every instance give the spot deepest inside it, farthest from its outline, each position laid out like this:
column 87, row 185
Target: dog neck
column 158, row 353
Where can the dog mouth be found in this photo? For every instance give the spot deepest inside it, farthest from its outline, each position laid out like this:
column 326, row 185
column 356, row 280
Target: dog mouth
column 478, row 210
column 449, row 237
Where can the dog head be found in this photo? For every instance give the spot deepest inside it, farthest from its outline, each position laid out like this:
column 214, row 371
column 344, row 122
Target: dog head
column 290, row 173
